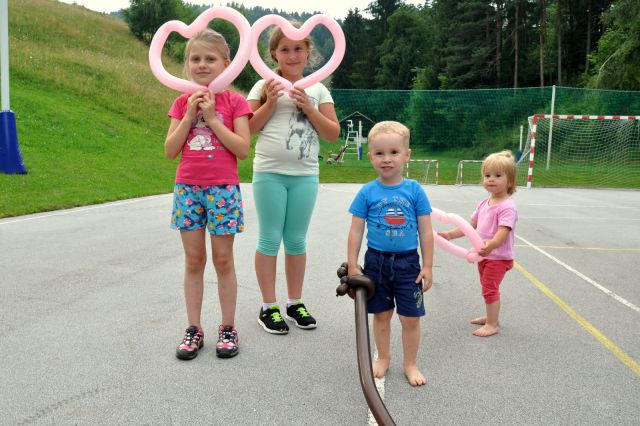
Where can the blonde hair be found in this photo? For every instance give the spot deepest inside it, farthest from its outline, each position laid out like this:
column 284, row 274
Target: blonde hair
column 210, row 39
column 274, row 40
column 504, row 162
column 390, row 127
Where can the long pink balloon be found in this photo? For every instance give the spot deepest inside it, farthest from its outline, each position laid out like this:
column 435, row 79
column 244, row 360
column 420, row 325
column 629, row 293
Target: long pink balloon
column 451, row 218
column 228, row 75
column 294, row 33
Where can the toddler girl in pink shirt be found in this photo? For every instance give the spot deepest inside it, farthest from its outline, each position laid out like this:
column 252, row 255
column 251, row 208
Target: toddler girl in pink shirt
column 495, row 220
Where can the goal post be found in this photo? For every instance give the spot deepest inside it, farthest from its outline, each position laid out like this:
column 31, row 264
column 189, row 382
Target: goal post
column 582, row 151
column 469, row 172
column 424, row 171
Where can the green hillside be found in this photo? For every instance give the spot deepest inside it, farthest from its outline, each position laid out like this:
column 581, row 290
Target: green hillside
column 91, row 117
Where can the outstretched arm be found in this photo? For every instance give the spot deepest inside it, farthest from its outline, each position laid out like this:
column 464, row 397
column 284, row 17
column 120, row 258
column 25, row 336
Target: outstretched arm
column 457, row 232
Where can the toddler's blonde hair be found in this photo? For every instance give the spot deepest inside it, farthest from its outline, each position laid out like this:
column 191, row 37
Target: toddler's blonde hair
column 390, row 127
column 210, row 39
column 504, row 162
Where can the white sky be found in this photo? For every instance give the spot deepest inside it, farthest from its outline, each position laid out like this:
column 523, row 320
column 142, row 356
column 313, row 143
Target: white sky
column 337, row 9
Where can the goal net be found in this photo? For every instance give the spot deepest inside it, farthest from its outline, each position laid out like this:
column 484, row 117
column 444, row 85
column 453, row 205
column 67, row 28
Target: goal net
column 581, row 150
column 469, row 172
column 424, row 171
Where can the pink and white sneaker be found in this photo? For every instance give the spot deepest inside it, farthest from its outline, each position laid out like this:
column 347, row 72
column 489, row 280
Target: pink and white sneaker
column 192, row 342
column 227, row 345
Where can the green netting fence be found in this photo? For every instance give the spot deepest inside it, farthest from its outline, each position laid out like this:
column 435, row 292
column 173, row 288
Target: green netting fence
column 456, row 125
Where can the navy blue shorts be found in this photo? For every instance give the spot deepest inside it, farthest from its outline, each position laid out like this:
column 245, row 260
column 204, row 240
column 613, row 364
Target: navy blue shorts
column 395, row 276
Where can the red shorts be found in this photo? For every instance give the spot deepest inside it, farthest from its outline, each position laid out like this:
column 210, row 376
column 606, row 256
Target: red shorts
column 491, row 275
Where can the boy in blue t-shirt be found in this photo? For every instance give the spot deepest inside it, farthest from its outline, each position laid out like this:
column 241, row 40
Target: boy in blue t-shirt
column 397, row 213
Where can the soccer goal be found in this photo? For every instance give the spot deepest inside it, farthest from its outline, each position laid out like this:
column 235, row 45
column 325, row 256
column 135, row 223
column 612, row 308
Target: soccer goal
column 600, row 151
column 469, row 172
column 424, row 171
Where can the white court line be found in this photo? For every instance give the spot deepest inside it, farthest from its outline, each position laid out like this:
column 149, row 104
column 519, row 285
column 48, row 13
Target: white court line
column 581, row 275
column 521, row 204
column 371, row 421
column 579, row 218
column 83, row 209
column 586, row 248
column 582, row 206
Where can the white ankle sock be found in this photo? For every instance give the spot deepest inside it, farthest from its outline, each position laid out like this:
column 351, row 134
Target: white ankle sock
column 292, row 301
column 265, row 306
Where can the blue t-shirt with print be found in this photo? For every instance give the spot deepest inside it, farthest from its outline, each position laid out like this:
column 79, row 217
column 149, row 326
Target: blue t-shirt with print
column 391, row 213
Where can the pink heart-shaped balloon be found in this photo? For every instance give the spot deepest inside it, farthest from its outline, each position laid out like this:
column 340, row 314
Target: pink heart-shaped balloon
column 228, row 75
column 451, row 218
column 294, row 33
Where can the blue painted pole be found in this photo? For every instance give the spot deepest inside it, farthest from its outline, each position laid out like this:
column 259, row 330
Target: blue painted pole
column 10, row 157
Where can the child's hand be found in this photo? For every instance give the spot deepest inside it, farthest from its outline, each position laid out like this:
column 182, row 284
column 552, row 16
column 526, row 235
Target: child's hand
column 445, row 235
column 193, row 103
column 301, row 98
column 274, row 90
column 356, row 270
column 486, row 250
column 208, row 107
column 426, row 278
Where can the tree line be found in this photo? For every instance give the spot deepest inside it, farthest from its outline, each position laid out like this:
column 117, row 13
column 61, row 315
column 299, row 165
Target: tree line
column 144, row 17
column 450, row 44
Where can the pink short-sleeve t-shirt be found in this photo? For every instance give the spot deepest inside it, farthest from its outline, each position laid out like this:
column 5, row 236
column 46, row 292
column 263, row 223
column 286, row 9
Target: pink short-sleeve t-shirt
column 489, row 218
column 204, row 159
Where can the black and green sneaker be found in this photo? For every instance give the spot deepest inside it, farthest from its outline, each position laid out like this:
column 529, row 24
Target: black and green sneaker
column 272, row 321
column 300, row 316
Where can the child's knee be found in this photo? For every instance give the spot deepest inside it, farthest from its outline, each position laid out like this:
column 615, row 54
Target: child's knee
column 195, row 262
column 295, row 246
column 383, row 317
column 269, row 246
column 223, row 262
column 491, row 295
column 409, row 323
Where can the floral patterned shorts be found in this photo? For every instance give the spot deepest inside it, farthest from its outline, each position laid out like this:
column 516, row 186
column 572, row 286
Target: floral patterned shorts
column 218, row 208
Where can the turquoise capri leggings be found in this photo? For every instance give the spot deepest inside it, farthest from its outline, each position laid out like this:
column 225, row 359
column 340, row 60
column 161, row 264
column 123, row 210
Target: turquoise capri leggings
column 284, row 204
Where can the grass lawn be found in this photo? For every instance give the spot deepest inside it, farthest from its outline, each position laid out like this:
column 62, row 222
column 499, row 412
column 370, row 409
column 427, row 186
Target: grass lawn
column 92, row 119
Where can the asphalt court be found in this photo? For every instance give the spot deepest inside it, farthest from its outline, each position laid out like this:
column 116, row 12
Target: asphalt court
column 92, row 309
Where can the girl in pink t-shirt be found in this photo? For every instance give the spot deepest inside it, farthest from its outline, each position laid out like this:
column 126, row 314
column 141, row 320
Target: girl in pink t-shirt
column 495, row 220
column 209, row 132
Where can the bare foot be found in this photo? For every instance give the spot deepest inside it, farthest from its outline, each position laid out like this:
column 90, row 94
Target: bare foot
column 479, row 321
column 487, row 330
column 414, row 376
column 380, row 367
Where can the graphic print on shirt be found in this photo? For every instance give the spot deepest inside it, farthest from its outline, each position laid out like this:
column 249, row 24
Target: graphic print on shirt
column 301, row 130
column 203, row 138
column 392, row 218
